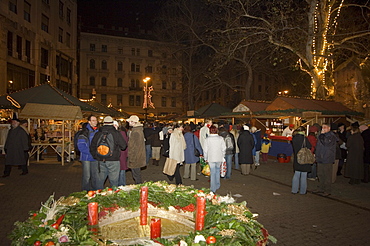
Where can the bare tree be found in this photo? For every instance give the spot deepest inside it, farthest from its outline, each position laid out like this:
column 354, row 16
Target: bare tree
column 313, row 30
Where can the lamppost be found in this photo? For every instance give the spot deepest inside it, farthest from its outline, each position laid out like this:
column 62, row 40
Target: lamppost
column 146, row 97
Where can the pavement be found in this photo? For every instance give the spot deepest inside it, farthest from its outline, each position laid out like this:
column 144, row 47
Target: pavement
column 340, row 219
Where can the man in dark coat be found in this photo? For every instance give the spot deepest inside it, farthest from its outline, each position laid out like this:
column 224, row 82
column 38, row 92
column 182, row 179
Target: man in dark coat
column 354, row 168
column 325, row 158
column 16, row 147
column 365, row 133
column 246, row 145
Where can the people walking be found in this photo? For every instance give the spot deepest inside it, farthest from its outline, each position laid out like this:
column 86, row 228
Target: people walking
column 299, row 181
column 89, row 164
column 257, row 145
column 110, row 140
column 204, row 131
column 17, row 145
column 235, row 133
column 246, row 145
column 325, row 157
column 365, row 133
column 354, row 168
column 214, row 152
column 177, row 146
column 136, row 148
column 230, row 149
column 156, row 143
column 192, row 143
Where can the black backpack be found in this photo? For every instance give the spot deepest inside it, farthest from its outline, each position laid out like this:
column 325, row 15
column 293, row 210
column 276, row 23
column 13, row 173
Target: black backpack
column 105, row 145
column 84, row 132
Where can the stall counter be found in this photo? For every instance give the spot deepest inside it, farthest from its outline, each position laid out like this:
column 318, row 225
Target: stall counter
column 280, row 145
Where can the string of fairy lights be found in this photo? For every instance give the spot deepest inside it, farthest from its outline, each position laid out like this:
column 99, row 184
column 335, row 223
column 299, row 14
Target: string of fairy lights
column 322, row 61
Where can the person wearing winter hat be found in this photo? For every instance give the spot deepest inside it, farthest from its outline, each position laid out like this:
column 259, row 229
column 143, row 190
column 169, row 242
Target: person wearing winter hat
column 136, row 148
column 246, row 144
column 108, row 166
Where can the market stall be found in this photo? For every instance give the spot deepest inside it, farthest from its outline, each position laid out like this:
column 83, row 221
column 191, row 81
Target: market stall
column 57, row 122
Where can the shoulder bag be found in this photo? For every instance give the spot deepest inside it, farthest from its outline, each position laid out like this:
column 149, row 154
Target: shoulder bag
column 304, row 155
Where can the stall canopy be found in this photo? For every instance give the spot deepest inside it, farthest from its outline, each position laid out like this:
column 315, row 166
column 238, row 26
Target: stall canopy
column 298, row 105
column 211, row 110
column 49, row 111
column 42, row 94
column 107, row 110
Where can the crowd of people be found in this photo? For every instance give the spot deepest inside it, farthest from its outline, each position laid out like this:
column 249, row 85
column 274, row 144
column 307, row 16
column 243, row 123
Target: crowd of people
column 108, row 151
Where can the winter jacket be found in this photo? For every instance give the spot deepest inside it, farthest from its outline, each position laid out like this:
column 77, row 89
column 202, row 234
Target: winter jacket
column 136, row 148
column 177, row 146
column 83, row 144
column 224, row 134
column 154, row 136
column 354, row 167
column 124, row 153
column 16, row 147
column 214, row 148
column 366, row 137
column 119, row 143
column 325, row 148
column 297, row 142
column 246, row 146
column 258, row 139
column 192, row 142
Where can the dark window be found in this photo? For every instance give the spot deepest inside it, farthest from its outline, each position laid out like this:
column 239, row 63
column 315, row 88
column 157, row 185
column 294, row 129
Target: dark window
column 19, row 47
column 45, row 23
column 149, row 69
column 10, row 43
column 104, row 98
column 104, row 65
column 104, row 48
column 28, row 51
column 27, row 11
column 138, row 101
column 60, row 35
column 104, row 81
column 44, row 58
column 138, row 52
column 164, row 85
column 61, row 9
column 92, row 80
column 119, row 66
column 13, row 5
column 137, row 68
column 120, row 51
column 119, row 100
column 164, row 69
column 150, row 53
column 132, row 67
column 68, row 16
column 45, row 1
column 164, row 102
column 133, row 51
column 132, row 83
column 173, row 85
column 173, row 102
column 119, row 82
column 92, row 47
column 259, row 88
column 131, row 101
column 92, row 64
column 68, row 39
column 64, row 66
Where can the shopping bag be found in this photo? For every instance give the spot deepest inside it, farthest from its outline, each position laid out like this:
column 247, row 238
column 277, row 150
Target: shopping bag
column 223, row 169
column 206, row 170
column 169, row 166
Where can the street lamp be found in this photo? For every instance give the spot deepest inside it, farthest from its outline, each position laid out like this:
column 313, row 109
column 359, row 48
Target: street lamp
column 146, row 97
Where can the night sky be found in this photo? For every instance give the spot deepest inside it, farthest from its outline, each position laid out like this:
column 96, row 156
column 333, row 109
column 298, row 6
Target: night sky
column 118, row 13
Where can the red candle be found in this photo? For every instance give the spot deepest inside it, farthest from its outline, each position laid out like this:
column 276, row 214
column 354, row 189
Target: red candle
column 144, row 205
column 155, row 228
column 93, row 213
column 200, row 213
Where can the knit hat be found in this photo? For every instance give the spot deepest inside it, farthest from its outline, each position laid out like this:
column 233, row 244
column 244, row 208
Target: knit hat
column 355, row 124
column 108, row 120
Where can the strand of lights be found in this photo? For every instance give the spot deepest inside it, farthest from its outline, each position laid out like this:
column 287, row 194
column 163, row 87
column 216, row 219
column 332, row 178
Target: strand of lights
column 13, row 102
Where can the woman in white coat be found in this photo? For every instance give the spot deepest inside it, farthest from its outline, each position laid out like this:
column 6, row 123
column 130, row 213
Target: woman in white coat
column 177, row 147
column 214, row 152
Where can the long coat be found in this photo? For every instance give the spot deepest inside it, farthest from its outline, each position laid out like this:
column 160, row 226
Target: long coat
column 354, row 167
column 16, row 147
column 246, row 145
column 192, row 142
column 366, row 136
column 136, row 148
column 177, row 146
column 297, row 143
column 124, row 153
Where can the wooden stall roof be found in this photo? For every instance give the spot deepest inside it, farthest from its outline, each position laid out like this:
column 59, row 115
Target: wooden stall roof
column 211, row 110
column 251, row 106
column 51, row 112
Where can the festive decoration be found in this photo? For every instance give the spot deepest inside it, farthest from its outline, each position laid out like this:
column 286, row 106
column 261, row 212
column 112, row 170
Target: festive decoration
column 155, row 228
column 93, row 213
column 200, row 213
column 144, row 205
column 228, row 222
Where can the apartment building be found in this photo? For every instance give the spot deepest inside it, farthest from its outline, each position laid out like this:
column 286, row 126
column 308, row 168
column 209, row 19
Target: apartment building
column 38, row 44
column 113, row 69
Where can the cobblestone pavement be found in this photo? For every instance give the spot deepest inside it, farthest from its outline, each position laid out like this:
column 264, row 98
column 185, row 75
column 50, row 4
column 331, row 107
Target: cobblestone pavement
column 341, row 219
